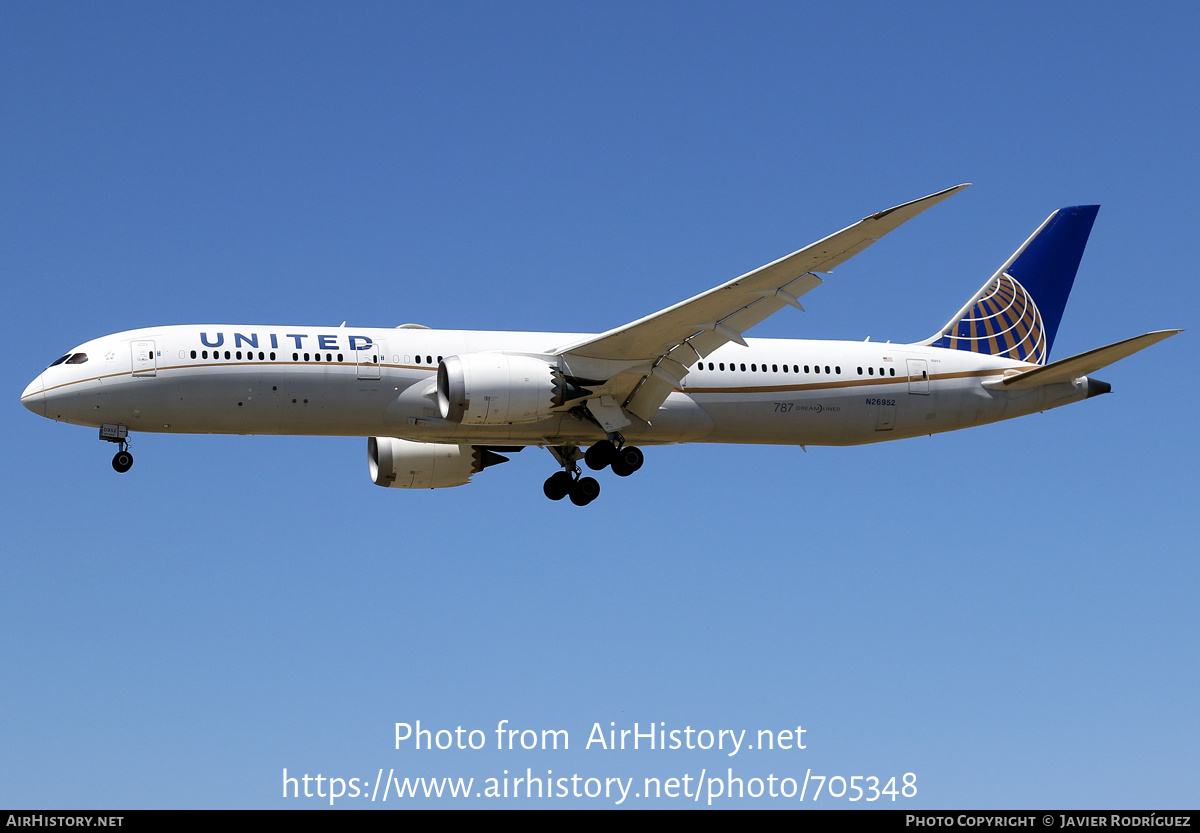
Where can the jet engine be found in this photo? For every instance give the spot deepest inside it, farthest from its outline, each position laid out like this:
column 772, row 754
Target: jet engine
column 405, row 464
column 499, row 389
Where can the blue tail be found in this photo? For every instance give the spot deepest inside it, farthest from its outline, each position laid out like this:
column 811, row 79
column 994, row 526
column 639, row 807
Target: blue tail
column 1016, row 314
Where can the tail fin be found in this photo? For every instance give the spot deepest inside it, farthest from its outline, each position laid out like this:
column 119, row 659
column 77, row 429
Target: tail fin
column 1016, row 314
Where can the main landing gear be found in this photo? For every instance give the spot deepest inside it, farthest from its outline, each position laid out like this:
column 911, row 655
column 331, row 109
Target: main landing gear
column 582, row 490
column 122, row 461
column 622, row 459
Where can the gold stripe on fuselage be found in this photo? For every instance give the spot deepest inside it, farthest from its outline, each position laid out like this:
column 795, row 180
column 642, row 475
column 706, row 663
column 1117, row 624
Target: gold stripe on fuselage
column 812, row 386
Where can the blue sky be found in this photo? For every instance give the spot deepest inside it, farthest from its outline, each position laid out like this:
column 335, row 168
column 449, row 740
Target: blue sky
column 1008, row 612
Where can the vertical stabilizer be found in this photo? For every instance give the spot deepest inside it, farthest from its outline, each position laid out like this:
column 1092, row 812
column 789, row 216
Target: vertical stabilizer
column 1016, row 314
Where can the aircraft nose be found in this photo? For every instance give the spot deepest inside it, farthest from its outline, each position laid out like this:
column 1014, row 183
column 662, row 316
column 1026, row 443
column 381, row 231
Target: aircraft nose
column 34, row 397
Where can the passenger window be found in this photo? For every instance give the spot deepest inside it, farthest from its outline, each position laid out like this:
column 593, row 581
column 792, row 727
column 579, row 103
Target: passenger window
column 743, row 367
column 775, row 368
column 227, row 354
column 193, row 354
column 893, row 371
column 753, row 368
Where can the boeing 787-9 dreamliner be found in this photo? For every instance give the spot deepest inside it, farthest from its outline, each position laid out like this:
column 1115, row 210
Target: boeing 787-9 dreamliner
column 438, row 406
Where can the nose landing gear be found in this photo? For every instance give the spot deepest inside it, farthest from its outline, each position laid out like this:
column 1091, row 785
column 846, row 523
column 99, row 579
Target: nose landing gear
column 122, row 461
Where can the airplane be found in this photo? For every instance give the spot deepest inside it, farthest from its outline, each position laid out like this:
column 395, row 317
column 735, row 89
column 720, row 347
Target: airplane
column 439, row 406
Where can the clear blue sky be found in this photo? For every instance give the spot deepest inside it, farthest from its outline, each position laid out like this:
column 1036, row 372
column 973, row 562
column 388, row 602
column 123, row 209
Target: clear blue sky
column 1009, row 612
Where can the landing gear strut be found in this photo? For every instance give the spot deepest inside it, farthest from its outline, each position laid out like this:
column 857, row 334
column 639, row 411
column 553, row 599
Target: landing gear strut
column 122, row 461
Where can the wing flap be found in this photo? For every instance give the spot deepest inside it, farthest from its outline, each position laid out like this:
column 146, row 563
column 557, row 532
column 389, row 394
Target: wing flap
column 664, row 377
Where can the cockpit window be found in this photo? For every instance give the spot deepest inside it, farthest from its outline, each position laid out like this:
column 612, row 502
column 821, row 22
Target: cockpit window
column 70, row 358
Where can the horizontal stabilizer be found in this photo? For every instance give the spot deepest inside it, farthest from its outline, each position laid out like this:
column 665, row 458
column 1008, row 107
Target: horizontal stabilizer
column 1066, row 370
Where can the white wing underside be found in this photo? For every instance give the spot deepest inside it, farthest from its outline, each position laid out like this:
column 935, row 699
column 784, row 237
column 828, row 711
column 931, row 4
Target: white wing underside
column 657, row 350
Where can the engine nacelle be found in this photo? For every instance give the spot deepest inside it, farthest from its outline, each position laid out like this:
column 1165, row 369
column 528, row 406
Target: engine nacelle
column 499, row 389
column 404, row 464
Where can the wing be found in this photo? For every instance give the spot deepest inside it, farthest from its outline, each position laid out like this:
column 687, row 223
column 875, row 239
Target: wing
column 663, row 345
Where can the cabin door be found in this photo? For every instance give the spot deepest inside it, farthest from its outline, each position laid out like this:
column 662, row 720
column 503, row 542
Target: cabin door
column 144, row 358
column 369, row 360
column 918, row 376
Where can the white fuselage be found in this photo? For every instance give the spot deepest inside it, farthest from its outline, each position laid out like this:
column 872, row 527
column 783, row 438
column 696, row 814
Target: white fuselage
column 226, row 379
